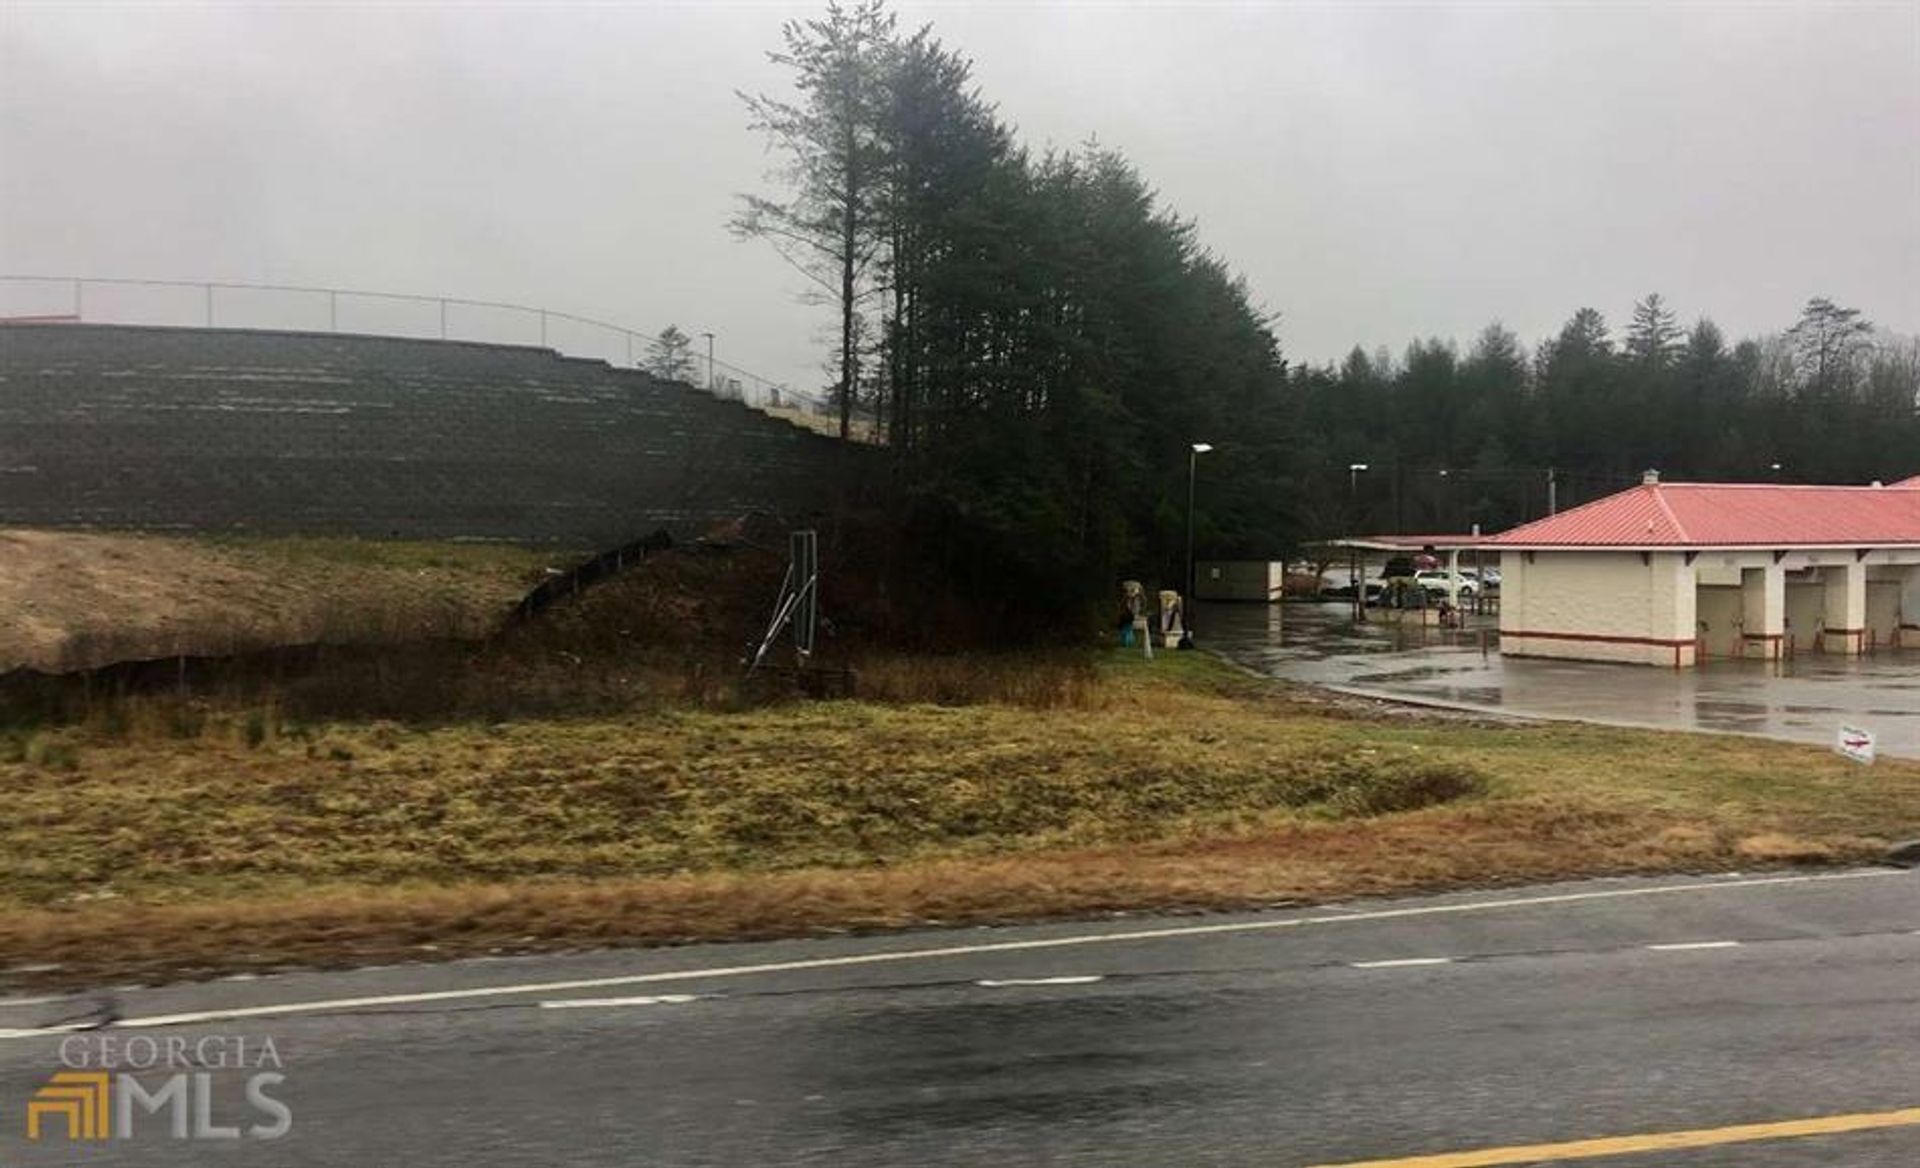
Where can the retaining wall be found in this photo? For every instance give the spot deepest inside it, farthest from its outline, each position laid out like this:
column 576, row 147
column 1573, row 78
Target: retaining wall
column 322, row 433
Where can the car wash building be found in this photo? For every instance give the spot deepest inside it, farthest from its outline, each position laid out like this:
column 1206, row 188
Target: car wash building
column 1673, row 574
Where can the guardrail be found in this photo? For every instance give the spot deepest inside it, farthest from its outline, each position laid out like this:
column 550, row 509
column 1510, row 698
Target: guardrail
column 224, row 304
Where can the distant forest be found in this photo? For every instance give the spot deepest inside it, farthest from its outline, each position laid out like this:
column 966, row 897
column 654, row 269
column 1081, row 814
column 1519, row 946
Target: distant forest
column 1038, row 344
column 1453, row 439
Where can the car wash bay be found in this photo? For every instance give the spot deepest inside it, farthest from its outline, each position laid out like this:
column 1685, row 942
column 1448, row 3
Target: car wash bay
column 1674, row 573
column 1674, row 608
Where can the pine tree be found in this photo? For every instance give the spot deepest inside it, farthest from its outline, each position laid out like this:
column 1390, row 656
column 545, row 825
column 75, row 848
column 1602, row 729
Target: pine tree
column 1830, row 345
column 670, row 355
column 826, row 226
column 1655, row 338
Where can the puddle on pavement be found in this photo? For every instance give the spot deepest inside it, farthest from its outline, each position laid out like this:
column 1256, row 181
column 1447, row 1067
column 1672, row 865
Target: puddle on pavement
column 1805, row 700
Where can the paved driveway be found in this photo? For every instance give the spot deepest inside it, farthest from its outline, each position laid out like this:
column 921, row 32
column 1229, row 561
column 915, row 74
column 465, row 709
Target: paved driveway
column 1805, row 700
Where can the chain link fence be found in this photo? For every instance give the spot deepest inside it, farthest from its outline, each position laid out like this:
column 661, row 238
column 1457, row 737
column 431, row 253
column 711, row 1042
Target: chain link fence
column 218, row 304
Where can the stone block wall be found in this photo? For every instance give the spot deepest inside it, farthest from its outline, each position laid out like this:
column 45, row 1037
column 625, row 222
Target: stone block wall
column 319, row 433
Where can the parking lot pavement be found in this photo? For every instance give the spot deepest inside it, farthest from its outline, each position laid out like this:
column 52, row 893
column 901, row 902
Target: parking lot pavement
column 1805, row 700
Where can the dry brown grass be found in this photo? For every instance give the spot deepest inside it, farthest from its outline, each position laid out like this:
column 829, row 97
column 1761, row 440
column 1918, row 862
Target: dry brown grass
column 231, row 810
column 238, row 839
column 1036, row 681
column 78, row 600
column 1287, row 863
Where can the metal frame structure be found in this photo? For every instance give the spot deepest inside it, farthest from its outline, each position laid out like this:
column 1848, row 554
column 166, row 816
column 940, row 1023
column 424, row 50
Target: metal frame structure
column 798, row 603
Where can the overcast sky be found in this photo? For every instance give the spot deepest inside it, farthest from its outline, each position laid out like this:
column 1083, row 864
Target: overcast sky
column 1378, row 172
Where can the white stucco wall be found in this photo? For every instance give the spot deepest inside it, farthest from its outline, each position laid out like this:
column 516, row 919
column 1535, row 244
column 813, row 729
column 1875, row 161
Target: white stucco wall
column 1598, row 606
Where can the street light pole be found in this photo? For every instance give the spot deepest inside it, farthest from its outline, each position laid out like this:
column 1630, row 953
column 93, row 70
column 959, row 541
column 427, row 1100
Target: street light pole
column 1193, row 458
column 1354, row 470
column 710, row 380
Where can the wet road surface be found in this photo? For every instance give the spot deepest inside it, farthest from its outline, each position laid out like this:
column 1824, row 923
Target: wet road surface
column 1805, row 700
column 1335, row 1035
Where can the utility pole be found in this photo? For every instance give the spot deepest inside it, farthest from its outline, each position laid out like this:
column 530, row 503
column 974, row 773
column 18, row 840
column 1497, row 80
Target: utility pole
column 710, row 375
column 1553, row 493
column 1399, row 507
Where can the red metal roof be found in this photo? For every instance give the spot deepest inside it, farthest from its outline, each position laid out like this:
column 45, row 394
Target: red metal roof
column 1731, row 515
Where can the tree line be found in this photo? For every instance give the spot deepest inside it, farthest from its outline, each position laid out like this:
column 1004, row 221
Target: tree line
column 1039, row 343
column 1499, row 434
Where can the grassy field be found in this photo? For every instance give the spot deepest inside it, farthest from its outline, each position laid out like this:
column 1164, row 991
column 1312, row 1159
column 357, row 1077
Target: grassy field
column 160, row 846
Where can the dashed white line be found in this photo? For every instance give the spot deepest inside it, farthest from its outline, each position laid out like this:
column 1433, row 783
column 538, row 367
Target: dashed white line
column 892, row 956
column 1402, row 962
column 994, row 983
column 638, row 1000
column 1683, row 946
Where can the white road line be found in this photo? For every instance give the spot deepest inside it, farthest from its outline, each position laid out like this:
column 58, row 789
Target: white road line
column 65, row 1028
column 6, row 1002
column 884, row 957
column 641, row 1000
column 1077, row 979
column 1683, row 946
column 1401, row 962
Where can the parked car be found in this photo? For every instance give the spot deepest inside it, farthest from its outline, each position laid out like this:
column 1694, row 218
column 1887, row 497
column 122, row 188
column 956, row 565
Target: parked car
column 1434, row 581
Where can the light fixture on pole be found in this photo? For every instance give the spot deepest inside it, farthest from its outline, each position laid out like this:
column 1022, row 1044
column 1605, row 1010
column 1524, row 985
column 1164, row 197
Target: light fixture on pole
column 1186, row 625
column 1354, row 471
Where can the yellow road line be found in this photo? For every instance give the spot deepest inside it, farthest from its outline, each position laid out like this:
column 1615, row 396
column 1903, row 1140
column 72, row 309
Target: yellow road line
column 1656, row 1142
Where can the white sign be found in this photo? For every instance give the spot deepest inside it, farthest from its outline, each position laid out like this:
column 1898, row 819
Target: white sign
column 1855, row 743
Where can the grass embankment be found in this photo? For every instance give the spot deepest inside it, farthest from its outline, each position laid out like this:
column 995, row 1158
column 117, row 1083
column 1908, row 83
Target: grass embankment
column 152, row 846
column 78, row 600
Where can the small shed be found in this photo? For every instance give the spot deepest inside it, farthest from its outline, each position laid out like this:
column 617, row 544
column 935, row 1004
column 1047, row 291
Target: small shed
column 1258, row 580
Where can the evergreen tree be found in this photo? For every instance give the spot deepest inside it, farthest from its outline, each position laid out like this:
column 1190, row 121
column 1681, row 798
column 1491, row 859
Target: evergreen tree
column 1042, row 343
column 826, row 226
column 1655, row 338
column 670, row 355
column 1830, row 345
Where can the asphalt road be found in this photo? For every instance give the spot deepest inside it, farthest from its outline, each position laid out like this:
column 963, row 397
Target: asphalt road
column 1368, row 1031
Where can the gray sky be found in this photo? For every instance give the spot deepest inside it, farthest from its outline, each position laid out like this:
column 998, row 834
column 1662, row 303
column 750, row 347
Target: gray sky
column 1377, row 171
